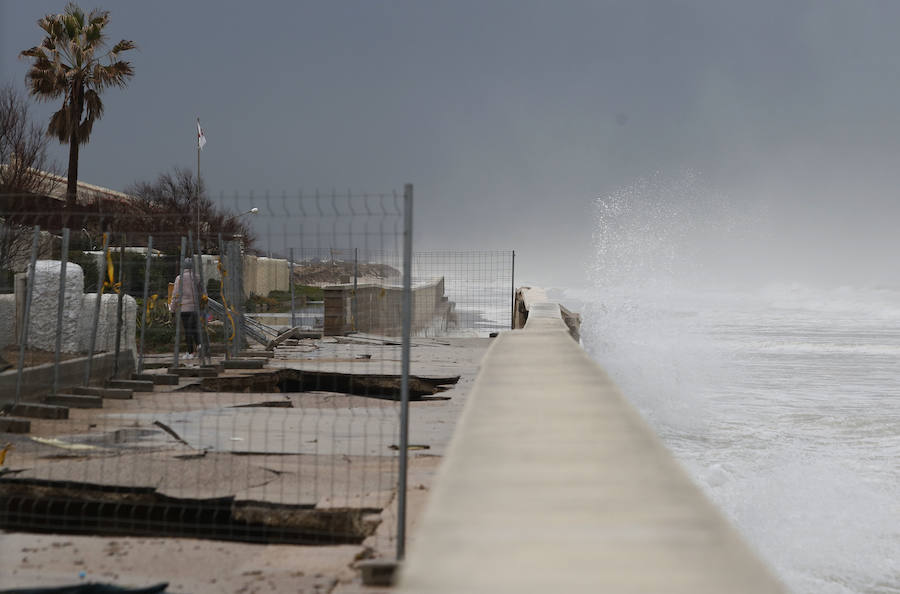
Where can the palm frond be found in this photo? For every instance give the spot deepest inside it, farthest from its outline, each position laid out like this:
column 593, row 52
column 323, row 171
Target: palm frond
column 70, row 23
column 32, row 52
column 78, row 54
column 46, row 85
column 112, row 75
column 58, row 29
column 92, row 35
column 93, row 105
column 99, row 17
column 84, row 131
column 74, row 11
column 59, row 125
column 46, row 24
column 122, row 46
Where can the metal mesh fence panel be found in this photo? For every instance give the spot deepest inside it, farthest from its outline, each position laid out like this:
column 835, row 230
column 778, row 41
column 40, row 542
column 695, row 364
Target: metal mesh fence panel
column 239, row 377
column 478, row 286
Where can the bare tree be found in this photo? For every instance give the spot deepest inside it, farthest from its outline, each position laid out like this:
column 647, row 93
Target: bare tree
column 170, row 205
column 23, row 148
column 25, row 172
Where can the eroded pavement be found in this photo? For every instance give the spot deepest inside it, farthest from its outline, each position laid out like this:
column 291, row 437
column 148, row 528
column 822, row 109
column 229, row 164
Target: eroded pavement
column 312, row 450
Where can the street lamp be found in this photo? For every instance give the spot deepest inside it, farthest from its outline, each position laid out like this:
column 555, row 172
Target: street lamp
column 239, row 236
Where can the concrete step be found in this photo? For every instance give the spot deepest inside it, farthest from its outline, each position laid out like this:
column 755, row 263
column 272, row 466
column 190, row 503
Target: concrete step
column 112, row 393
column 14, row 425
column 257, row 354
column 34, row 410
column 378, row 572
column 245, row 363
column 134, row 385
column 158, row 379
column 75, row 401
column 156, row 364
column 194, row 371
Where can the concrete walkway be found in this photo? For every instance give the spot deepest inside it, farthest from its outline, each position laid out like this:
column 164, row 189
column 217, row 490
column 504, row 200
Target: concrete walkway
column 554, row 483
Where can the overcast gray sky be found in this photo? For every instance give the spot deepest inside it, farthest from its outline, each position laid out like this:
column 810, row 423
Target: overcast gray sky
column 512, row 117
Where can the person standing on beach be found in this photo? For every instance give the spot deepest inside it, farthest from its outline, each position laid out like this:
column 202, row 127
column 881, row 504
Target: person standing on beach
column 187, row 292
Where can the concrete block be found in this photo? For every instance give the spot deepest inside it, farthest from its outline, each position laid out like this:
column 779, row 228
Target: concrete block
column 245, row 363
column 39, row 411
column 156, row 364
column 106, row 325
column 111, row 393
column 259, row 354
column 133, row 385
column 7, row 320
column 75, row 401
column 378, row 572
column 158, row 379
column 14, row 425
column 193, row 371
column 42, row 330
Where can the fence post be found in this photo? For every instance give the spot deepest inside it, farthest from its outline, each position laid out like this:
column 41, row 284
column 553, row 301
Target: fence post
column 238, row 298
column 225, row 295
column 512, row 318
column 60, row 307
column 121, row 291
column 29, row 291
column 355, row 302
column 140, row 368
column 178, row 305
column 404, row 379
column 202, row 343
column 93, row 344
column 291, row 284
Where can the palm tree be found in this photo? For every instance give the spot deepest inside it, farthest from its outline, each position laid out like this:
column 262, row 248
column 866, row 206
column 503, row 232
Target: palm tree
column 67, row 64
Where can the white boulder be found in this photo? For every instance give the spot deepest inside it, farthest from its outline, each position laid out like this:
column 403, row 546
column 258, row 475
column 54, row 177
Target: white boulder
column 43, row 329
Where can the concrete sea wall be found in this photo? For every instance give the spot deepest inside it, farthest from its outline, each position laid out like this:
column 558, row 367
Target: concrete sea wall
column 553, row 482
column 38, row 380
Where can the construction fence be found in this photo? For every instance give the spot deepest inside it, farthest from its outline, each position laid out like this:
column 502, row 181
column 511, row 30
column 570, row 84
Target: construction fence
column 169, row 378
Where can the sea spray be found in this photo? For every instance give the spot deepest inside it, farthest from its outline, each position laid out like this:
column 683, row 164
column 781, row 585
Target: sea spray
column 781, row 400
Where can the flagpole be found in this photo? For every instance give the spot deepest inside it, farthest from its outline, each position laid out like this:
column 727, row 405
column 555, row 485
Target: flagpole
column 198, row 180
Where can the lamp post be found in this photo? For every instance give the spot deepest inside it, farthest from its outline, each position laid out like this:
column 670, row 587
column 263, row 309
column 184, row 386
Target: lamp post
column 239, row 236
column 90, row 239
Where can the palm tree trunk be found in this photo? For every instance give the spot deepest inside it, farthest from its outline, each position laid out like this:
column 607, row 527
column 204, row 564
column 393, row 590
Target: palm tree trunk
column 76, row 106
column 72, row 182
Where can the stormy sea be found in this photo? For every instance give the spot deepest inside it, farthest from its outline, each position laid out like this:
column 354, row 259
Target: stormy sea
column 781, row 399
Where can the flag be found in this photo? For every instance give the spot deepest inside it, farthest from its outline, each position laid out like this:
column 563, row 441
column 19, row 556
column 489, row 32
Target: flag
column 201, row 139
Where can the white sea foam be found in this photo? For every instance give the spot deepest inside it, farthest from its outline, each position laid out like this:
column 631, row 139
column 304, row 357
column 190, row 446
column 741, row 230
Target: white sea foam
column 783, row 402
column 791, row 426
